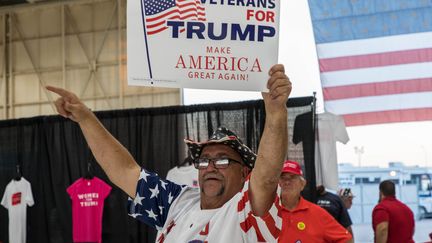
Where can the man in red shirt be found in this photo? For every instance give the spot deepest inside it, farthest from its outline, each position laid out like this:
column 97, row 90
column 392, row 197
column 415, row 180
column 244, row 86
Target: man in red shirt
column 392, row 221
column 303, row 221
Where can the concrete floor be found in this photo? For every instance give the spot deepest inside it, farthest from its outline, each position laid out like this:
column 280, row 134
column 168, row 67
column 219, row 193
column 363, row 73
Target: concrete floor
column 363, row 233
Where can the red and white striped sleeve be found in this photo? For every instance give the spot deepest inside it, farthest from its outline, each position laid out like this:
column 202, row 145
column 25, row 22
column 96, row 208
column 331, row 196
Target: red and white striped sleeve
column 258, row 229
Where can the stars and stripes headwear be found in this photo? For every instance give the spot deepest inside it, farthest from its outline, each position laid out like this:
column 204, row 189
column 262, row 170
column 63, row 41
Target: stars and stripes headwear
column 227, row 137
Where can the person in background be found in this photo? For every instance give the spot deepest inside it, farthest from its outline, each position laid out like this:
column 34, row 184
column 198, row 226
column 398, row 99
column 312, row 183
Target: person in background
column 232, row 197
column 335, row 206
column 303, row 221
column 347, row 197
column 392, row 221
column 429, row 241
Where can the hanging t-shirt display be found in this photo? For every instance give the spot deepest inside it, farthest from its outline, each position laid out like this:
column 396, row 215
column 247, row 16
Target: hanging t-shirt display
column 87, row 208
column 184, row 175
column 18, row 195
column 330, row 129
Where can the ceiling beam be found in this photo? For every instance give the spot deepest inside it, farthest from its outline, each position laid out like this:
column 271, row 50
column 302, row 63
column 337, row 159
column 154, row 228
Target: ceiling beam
column 44, row 4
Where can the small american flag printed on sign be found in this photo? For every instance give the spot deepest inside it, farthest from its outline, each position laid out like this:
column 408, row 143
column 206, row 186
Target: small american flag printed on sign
column 158, row 12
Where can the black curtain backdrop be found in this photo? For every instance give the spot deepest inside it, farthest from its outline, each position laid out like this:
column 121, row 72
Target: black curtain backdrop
column 52, row 154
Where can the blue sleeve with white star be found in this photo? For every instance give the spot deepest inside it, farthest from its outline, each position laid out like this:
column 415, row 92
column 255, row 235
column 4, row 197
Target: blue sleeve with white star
column 153, row 199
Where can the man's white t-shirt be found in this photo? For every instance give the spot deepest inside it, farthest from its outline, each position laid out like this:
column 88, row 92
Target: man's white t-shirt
column 175, row 211
column 331, row 129
column 184, row 175
column 17, row 196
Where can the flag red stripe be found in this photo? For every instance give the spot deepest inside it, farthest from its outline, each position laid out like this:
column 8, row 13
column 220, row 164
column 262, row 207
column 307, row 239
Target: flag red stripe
column 191, row 4
column 189, row 15
column 184, row 17
column 375, row 89
column 150, row 19
column 175, row 17
column 157, row 31
column 375, row 60
column 156, row 24
column 187, row 10
column 379, row 117
column 186, row 5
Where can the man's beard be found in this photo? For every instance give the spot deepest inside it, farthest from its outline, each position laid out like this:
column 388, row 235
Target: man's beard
column 220, row 193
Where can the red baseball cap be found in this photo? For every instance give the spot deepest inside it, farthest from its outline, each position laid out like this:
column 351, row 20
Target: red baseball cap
column 292, row 167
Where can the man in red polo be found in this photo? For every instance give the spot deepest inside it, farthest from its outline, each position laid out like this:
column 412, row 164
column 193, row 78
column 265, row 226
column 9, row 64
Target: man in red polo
column 303, row 221
column 392, row 221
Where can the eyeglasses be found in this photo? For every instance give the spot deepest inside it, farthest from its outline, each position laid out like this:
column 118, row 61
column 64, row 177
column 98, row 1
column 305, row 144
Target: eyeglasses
column 219, row 163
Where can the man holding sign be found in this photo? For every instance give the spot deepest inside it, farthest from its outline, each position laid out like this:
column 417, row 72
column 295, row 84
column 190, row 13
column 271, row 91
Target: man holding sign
column 235, row 203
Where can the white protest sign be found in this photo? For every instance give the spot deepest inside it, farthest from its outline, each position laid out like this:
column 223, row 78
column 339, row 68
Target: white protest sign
column 208, row 44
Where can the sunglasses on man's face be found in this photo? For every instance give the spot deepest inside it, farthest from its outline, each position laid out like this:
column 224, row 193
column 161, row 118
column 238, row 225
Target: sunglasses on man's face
column 219, row 163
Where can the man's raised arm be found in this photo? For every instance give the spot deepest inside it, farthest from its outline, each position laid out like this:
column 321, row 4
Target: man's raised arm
column 274, row 143
column 114, row 159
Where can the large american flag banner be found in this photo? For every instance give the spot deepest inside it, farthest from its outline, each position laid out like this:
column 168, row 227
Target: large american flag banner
column 157, row 12
column 375, row 59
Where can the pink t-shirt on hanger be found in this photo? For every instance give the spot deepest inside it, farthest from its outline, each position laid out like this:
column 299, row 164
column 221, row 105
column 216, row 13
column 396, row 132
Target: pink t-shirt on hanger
column 87, row 208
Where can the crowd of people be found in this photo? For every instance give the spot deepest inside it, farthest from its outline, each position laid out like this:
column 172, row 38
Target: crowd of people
column 243, row 196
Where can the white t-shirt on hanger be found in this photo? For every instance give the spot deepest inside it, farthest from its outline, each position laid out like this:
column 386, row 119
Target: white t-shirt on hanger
column 17, row 197
column 185, row 175
column 331, row 129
